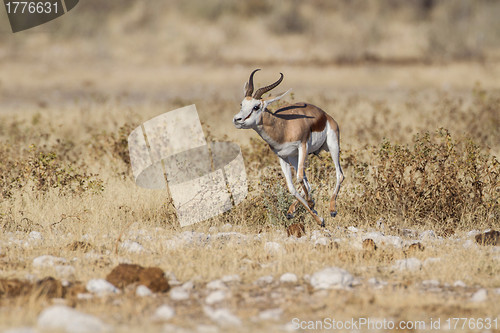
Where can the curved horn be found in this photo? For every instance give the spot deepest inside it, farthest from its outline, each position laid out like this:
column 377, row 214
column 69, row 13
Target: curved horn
column 249, row 91
column 258, row 94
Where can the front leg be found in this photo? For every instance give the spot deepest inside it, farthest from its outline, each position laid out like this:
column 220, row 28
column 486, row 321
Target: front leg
column 287, row 171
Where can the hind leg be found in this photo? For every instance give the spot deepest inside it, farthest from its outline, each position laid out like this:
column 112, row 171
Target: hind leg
column 333, row 142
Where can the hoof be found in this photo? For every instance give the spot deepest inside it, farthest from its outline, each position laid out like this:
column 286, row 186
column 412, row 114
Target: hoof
column 322, row 222
column 333, row 214
column 289, row 216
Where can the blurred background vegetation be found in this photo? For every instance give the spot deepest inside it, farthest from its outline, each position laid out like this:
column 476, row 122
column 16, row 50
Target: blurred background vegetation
column 286, row 31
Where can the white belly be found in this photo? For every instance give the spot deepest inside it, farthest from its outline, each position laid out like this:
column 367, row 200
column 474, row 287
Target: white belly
column 316, row 140
column 287, row 149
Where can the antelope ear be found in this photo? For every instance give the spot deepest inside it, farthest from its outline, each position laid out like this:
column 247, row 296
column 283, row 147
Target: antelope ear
column 270, row 100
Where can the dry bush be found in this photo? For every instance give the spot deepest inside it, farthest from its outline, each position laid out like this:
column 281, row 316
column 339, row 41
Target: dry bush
column 42, row 169
column 437, row 181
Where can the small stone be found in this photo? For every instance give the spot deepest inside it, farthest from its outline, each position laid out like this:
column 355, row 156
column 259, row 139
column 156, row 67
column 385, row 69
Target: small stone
column 35, row 236
column 375, row 283
column 132, row 247
column 321, row 241
column 143, row 291
column 271, row 314
column 65, row 319
column 266, row 279
column 48, row 261
column 101, row 287
column 179, row 294
column 460, row 284
column 216, row 297
column 480, row 296
column 223, row 317
column 163, row 313
column 65, row 272
column 273, row 248
column 332, row 278
column 216, row 284
column 411, row 264
column 352, row 229
column 231, row 278
column 288, row 278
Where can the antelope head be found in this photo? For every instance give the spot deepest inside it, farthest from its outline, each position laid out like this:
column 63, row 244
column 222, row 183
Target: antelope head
column 253, row 106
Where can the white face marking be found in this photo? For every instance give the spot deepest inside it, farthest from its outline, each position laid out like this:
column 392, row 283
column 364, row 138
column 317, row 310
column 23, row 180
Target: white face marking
column 249, row 115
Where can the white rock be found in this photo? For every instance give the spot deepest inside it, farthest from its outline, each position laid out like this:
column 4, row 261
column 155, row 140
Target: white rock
column 189, row 285
column 271, row 314
column 216, row 297
column 473, row 233
column 322, row 241
column 480, row 296
column 101, row 287
column 35, row 236
column 231, row 278
column 212, row 229
column 179, row 294
column 65, row 272
column 132, row 247
column 143, row 291
column 230, row 237
column 66, row 319
column 469, row 243
column 411, row 264
column 332, row 278
column 216, row 284
column 288, row 278
column 352, row 229
column 266, row 279
column 227, row 227
column 223, row 317
column 376, row 283
column 273, row 248
column 48, row 261
column 164, row 313
column 459, row 283
column 316, row 234
column 395, row 241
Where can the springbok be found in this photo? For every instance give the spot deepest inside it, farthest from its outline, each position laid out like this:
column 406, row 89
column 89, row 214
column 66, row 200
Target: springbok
column 292, row 132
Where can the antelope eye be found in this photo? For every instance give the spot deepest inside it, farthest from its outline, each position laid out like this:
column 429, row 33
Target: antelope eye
column 255, row 108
